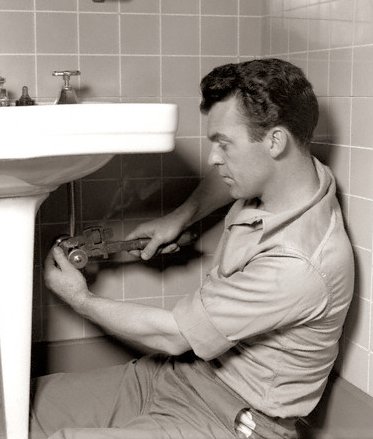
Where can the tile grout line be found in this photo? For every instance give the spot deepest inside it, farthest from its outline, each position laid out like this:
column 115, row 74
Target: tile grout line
column 78, row 40
column 35, row 53
column 162, row 160
column 349, row 340
column 122, row 77
column 200, row 116
column 120, row 73
column 349, row 162
column 369, row 250
column 238, row 49
column 270, row 36
column 169, row 14
column 141, row 55
column 308, row 47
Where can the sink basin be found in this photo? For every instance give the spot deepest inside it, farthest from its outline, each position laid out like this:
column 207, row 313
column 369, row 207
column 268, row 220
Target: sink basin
column 56, row 130
column 42, row 147
column 47, row 145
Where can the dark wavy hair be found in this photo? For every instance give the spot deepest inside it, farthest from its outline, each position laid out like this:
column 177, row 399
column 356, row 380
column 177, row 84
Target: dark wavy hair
column 271, row 92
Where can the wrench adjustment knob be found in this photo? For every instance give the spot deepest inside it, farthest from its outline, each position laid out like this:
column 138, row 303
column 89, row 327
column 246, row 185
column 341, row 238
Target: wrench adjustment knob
column 78, row 258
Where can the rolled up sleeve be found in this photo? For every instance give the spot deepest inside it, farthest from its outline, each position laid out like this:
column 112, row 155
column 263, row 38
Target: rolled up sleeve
column 196, row 326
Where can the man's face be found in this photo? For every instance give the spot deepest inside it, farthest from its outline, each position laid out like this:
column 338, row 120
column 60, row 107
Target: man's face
column 244, row 165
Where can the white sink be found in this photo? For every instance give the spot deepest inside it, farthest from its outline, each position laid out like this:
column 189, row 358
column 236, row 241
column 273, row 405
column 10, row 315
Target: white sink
column 41, row 148
column 47, row 145
column 56, row 130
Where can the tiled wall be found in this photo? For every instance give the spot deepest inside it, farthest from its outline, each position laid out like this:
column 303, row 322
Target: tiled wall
column 333, row 42
column 157, row 51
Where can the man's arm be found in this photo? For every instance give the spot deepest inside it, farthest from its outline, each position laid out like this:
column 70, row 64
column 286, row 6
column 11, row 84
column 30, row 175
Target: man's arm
column 151, row 327
column 211, row 194
column 148, row 326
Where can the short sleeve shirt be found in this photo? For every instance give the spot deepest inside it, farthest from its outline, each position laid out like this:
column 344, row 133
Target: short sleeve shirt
column 269, row 314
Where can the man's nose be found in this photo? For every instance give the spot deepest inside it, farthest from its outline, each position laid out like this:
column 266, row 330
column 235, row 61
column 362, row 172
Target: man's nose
column 214, row 158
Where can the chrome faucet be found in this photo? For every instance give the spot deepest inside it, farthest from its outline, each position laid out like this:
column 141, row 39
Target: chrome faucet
column 4, row 99
column 68, row 95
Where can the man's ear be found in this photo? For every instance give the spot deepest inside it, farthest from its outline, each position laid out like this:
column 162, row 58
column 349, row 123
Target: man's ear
column 277, row 141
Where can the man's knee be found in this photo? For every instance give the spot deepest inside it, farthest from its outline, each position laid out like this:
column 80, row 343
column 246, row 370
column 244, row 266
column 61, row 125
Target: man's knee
column 61, row 434
column 77, row 433
column 99, row 433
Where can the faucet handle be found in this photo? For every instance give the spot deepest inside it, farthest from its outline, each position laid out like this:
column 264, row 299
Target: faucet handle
column 68, row 95
column 4, row 99
column 66, row 74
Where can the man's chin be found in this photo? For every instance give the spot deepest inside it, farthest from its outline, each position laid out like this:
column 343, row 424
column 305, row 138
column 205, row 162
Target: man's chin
column 234, row 194
column 232, row 188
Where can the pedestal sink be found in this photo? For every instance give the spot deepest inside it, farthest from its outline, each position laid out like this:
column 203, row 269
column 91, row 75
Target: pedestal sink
column 41, row 148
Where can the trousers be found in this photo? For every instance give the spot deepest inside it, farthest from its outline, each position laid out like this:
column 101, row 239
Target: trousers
column 155, row 397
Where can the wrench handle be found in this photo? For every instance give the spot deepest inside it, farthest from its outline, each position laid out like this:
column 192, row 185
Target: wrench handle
column 186, row 238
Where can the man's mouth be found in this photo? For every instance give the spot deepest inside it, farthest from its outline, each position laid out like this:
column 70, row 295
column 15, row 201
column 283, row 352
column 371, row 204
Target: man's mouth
column 225, row 177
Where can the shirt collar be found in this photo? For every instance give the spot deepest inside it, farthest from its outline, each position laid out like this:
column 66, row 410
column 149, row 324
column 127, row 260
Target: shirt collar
column 244, row 212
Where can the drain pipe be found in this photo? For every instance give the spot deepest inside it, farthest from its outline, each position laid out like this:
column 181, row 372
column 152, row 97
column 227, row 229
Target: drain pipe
column 72, row 209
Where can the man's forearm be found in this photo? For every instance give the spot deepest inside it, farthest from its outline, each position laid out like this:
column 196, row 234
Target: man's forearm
column 211, row 194
column 148, row 326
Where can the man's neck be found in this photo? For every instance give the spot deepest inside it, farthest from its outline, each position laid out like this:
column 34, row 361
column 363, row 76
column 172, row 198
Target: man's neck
column 291, row 186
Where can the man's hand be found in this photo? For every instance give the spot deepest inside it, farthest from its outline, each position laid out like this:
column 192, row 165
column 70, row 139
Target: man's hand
column 162, row 231
column 64, row 279
column 211, row 194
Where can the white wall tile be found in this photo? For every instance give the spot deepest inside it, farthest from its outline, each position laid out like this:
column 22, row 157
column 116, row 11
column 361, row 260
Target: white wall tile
column 340, row 72
column 318, row 70
column 362, row 127
column 363, row 22
column 358, row 322
column 363, row 71
column 355, row 366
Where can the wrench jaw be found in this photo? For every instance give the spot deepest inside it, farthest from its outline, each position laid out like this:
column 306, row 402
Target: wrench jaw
column 92, row 243
column 71, row 247
column 78, row 258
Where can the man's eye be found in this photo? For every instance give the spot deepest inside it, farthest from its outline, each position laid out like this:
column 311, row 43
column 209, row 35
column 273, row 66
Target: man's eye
column 223, row 146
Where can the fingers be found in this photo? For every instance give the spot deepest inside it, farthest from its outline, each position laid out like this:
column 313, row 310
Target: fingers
column 135, row 253
column 139, row 232
column 171, row 248
column 148, row 254
column 151, row 249
column 49, row 261
column 161, row 235
column 60, row 258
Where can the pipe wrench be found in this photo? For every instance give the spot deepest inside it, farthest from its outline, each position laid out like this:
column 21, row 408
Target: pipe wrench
column 96, row 242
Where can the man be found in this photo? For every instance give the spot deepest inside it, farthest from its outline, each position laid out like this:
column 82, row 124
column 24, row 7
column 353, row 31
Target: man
column 249, row 352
